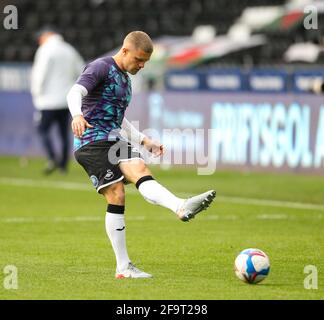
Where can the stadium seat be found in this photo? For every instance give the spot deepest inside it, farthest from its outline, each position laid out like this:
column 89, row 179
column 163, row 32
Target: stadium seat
column 83, row 21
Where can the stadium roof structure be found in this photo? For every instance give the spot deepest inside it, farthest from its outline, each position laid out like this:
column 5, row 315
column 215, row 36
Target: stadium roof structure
column 188, row 54
column 179, row 52
column 286, row 18
column 285, row 22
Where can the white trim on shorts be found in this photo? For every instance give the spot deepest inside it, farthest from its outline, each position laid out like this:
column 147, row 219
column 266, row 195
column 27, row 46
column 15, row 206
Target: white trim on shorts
column 123, row 160
column 119, row 179
column 109, row 183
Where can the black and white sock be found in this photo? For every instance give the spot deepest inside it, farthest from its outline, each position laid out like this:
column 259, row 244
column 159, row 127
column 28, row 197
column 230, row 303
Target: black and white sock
column 116, row 231
column 155, row 193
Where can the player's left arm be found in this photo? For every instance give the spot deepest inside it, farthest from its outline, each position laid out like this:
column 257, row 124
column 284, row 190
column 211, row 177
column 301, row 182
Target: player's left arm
column 155, row 147
column 135, row 136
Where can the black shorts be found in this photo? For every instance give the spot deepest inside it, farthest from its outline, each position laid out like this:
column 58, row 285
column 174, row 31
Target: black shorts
column 101, row 161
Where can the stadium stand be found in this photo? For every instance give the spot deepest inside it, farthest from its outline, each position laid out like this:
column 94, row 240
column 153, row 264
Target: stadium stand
column 247, row 33
column 97, row 26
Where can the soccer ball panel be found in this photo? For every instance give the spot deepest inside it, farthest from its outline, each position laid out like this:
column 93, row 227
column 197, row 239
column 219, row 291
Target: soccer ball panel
column 260, row 263
column 252, row 265
column 240, row 266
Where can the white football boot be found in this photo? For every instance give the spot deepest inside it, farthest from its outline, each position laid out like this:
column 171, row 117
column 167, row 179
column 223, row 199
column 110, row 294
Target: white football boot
column 195, row 204
column 131, row 272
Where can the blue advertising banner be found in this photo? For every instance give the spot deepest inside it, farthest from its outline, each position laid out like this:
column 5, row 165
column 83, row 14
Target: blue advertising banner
column 263, row 131
column 268, row 81
column 235, row 80
column 18, row 125
column 220, row 80
column 184, row 81
column 228, row 80
column 302, row 81
column 225, row 80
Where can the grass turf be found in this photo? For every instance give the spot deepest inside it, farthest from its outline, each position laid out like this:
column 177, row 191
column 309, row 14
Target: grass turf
column 52, row 230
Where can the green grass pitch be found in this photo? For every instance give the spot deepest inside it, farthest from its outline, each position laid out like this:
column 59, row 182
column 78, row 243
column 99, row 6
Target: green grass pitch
column 52, row 230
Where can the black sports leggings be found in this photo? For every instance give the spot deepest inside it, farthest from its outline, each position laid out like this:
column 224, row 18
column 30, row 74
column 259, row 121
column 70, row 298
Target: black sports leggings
column 48, row 119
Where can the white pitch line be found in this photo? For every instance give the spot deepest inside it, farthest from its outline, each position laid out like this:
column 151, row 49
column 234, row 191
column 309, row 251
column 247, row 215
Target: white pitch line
column 97, row 218
column 78, row 186
column 17, row 182
column 272, row 217
column 62, row 219
column 75, row 219
column 272, row 203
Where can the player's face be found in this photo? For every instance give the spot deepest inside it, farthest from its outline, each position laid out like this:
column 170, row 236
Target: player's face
column 134, row 60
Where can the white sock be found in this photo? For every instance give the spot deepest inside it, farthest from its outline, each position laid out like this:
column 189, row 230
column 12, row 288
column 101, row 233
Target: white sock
column 115, row 228
column 155, row 193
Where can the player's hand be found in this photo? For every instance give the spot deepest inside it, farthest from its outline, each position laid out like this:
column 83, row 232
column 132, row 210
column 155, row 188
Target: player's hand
column 79, row 125
column 154, row 147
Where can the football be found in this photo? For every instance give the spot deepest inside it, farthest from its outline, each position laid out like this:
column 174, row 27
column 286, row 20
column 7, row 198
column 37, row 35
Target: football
column 252, row 265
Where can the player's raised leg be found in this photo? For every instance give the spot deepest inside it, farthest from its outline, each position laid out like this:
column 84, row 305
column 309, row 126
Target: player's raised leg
column 135, row 171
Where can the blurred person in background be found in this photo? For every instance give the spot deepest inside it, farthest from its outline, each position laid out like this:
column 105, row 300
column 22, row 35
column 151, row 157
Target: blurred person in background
column 56, row 67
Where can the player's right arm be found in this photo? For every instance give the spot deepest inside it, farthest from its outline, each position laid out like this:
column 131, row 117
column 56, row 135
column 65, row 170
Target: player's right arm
column 92, row 74
column 74, row 100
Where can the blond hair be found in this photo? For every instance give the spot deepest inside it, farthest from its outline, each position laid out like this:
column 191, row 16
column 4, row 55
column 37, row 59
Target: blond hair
column 140, row 40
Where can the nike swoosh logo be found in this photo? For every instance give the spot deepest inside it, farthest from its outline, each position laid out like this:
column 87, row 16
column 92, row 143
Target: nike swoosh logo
column 121, row 229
